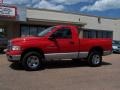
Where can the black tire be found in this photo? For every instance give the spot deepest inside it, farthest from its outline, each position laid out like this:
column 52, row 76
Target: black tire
column 95, row 59
column 32, row 61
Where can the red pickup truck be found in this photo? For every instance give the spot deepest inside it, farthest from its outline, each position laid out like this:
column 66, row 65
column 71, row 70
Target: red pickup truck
column 58, row 42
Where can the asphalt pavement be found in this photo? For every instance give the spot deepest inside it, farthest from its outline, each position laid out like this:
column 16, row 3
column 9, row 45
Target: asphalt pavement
column 62, row 75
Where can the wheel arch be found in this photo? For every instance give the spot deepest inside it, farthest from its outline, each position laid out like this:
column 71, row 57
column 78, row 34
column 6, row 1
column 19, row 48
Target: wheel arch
column 32, row 49
column 96, row 49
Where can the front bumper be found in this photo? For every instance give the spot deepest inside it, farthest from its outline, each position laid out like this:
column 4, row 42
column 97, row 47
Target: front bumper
column 13, row 58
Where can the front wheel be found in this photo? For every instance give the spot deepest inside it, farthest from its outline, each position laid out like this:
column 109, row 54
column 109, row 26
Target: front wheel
column 32, row 61
column 95, row 59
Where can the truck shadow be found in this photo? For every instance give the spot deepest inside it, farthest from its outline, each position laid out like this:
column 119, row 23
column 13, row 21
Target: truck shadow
column 57, row 64
column 68, row 64
column 1, row 53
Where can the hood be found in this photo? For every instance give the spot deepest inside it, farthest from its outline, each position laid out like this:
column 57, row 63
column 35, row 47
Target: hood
column 24, row 39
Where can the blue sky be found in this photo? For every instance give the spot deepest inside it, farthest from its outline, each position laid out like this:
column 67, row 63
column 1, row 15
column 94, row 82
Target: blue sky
column 105, row 8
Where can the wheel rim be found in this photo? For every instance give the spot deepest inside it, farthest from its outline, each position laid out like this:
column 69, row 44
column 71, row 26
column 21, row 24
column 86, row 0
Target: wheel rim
column 96, row 59
column 33, row 62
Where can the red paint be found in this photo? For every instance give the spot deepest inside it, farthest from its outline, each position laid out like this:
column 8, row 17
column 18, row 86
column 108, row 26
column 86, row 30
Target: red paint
column 60, row 45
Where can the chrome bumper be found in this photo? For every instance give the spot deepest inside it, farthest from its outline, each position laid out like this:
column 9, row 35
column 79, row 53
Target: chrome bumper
column 13, row 58
column 107, row 53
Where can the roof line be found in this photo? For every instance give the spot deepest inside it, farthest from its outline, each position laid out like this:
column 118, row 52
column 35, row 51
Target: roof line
column 57, row 21
column 75, row 13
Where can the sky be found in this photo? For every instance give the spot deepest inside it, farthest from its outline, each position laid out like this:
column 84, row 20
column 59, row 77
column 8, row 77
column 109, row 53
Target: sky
column 104, row 8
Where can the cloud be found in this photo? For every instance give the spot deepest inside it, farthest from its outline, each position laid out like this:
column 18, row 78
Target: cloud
column 102, row 5
column 71, row 2
column 48, row 5
column 20, row 2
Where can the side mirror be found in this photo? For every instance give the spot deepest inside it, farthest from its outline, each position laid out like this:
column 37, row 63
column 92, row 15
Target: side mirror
column 52, row 37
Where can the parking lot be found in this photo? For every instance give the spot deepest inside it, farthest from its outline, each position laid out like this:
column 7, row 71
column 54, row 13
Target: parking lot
column 62, row 75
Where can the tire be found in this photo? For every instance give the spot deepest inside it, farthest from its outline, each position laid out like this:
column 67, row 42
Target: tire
column 95, row 59
column 32, row 61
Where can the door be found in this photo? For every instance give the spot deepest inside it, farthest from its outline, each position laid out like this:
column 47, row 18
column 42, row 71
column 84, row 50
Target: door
column 65, row 43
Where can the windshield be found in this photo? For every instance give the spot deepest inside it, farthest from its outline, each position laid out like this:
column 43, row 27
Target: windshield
column 46, row 31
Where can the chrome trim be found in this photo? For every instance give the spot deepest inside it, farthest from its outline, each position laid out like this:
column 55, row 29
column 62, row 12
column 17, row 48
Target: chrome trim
column 13, row 57
column 66, row 55
column 107, row 53
column 83, row 54
column 33, row 62
column 61, row 55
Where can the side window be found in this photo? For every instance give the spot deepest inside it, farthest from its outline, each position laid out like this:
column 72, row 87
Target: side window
column 63, row 33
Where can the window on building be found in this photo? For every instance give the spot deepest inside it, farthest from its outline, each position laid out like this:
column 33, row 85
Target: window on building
column 110, row 34
column 40, row 29
column 31, row 30
column 89, row 34
column 24, row 31
column 93, row 34
column 85, row 34
column 97, row 34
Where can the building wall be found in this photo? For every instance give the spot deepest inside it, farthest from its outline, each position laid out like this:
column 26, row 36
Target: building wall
column 51, row 15
column 91, row 21
column 117, row 30
column 13, row 30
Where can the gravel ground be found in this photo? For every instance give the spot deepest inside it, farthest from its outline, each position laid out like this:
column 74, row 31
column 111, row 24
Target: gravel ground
column 62, row 75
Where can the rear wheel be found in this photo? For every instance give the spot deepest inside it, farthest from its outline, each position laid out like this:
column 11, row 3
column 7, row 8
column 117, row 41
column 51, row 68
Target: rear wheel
column 32, row 61
column 95, row 59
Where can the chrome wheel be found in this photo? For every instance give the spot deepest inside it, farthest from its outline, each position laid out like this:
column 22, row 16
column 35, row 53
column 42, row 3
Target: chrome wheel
column 33, row 62
column 96, row 59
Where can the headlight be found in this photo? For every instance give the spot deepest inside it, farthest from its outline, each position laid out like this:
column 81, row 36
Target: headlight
column 14, row 48
column 115, row 47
